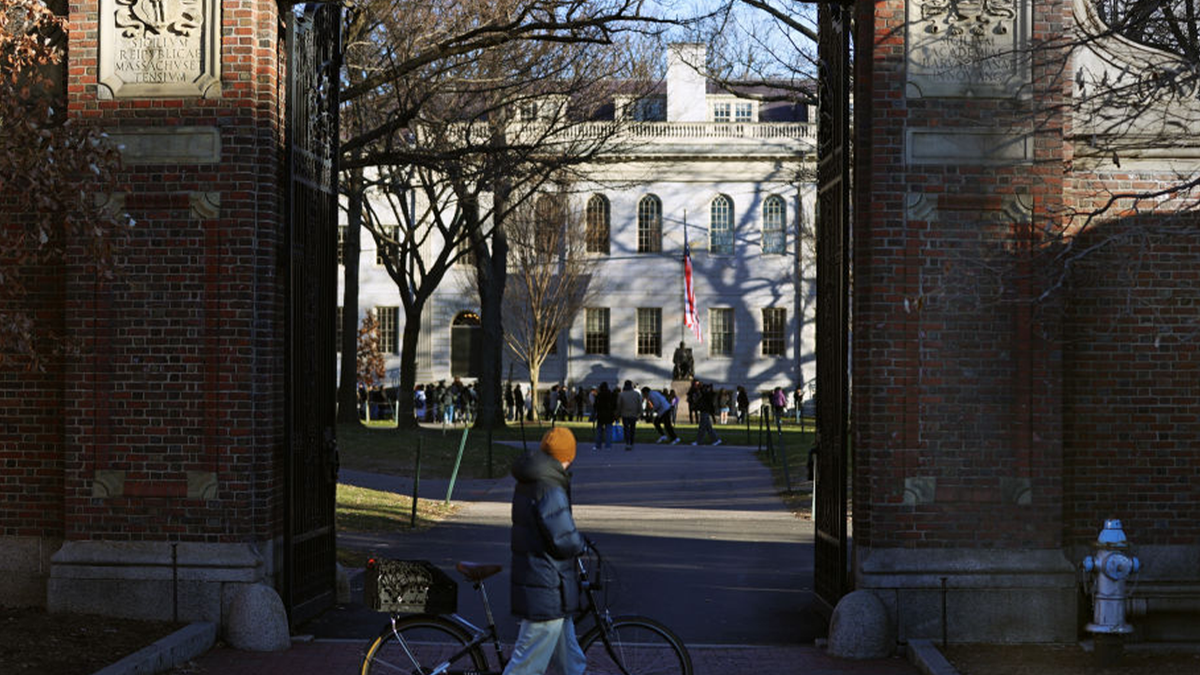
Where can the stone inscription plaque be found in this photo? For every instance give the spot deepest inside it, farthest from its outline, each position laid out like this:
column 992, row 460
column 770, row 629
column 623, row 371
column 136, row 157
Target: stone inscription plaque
column 968, row 48
column 159, row 48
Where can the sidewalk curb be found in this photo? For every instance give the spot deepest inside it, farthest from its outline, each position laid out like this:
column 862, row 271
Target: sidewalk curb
column 179, row 647
column 928, row 659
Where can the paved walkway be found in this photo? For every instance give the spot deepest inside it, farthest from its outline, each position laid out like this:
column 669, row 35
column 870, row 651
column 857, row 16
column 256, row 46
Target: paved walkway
column 698, row 534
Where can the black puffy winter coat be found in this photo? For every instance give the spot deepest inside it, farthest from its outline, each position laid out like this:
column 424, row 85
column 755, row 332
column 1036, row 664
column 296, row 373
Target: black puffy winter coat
column 545, row 543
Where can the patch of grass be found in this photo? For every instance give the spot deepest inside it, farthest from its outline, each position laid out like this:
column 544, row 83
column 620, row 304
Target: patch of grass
column 373, row 511
column 791, row 445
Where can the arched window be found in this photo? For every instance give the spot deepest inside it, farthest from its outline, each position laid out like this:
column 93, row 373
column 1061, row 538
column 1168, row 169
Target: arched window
column 466, row 345
column 774, row 214
column 720, row 226
column 549, row 218
column 649, row 215
column 597, row 225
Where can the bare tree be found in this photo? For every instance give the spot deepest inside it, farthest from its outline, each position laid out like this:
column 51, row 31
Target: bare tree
column 482, row 130
column 549, row 277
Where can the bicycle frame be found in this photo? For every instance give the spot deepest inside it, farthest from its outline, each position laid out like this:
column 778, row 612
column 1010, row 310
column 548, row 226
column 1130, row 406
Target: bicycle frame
column 480, row 636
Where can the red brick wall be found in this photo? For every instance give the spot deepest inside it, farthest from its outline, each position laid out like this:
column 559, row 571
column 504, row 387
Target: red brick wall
column 1132, row 401
column 181, row 361
column 31, row 426
column 955, row 377
column 979, row 355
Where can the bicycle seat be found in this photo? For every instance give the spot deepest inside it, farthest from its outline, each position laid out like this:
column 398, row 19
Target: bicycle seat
column 478, row 571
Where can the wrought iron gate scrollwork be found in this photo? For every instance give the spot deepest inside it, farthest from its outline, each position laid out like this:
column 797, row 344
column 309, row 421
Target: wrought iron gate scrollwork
column 831, row 546
column 314, row 59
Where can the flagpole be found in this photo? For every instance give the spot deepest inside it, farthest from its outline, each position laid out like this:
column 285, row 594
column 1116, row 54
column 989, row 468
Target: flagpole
column 683, row 324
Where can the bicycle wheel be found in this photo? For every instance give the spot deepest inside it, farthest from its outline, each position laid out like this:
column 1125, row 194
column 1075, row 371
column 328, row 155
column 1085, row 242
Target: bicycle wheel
column 428, row 642
column 636, row 646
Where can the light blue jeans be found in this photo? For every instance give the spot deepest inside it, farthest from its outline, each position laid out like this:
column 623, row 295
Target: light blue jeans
column 540, row 643
column 604, row 436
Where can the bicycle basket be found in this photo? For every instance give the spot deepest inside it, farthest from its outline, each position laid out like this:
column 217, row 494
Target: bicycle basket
column 409, row 587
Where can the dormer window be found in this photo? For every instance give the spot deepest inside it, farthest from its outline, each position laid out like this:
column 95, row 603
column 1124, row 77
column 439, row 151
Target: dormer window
column 528, row 111
column 652, row 109
column 721, row 112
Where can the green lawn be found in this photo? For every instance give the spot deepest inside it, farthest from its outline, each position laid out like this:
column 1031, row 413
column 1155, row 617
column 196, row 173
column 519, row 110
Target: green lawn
column 372, row 511
column 379, row 447
column 787, row 457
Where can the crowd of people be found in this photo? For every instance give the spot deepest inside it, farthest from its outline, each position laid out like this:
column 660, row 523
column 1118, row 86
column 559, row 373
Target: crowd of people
column 449, row 404
column 613, row 409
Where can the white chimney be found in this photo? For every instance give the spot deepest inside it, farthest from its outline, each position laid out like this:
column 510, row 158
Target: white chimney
column 686, row 82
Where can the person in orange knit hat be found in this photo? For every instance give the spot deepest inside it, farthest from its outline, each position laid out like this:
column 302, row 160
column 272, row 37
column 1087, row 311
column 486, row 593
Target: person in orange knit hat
column 545, row 543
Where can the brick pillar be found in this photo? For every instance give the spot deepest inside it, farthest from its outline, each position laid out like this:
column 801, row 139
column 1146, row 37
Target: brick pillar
column 171, row 433
column 957, row 383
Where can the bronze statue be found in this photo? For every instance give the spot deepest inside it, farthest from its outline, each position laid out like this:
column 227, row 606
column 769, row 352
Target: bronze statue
column 685, row 367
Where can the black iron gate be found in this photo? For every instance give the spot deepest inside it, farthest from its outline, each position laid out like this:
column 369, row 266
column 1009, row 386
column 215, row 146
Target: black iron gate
column 313, row 39
column 833, row 219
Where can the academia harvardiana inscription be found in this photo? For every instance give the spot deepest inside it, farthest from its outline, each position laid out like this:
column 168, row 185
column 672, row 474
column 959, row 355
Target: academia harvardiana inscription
column 968, row 49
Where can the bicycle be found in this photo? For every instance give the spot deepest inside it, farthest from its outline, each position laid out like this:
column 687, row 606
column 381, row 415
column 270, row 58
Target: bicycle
column 445, row 643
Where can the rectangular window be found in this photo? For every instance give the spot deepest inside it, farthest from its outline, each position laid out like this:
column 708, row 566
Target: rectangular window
column 743, row 112
column 649, row 331
column 390, row 233
column 389, row 335
column 774, row 330
column 528, row 112
column 595, row 337
column 721, row 112
column 720, row 332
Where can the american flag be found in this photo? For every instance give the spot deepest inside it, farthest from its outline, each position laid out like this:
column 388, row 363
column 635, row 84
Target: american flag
column 691, row 318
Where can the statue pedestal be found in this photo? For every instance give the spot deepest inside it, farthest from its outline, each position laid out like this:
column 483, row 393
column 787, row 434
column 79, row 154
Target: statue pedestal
column 680, row 387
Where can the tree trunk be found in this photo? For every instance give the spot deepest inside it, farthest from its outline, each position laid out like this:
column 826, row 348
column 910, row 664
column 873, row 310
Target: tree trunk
column 348, row 381
column 408, row 369
column 537, row 398
column 493, row 271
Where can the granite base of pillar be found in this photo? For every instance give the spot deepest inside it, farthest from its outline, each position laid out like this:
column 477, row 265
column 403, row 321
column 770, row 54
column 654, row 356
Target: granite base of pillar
column 24, row 569
column 975, row 595
column 161, row 581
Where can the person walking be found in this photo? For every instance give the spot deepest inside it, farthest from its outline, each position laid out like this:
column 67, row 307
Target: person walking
column 508, row 401
column 724, row 402
column 778, row 405
column 446, row 403
column 692, row 393
column 605, row 413
column 419, row 402
column 743, row 404
column 705, row 403
column 629, row 408
column 545, row 584
column 662, row 415
column 518, row 403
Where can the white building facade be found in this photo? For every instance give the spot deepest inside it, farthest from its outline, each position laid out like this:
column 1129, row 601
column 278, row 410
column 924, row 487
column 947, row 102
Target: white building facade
column 738, row 173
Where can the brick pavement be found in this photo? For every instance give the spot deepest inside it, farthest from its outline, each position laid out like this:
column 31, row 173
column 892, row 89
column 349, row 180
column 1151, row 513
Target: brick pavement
column 337, row 657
